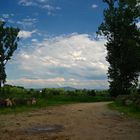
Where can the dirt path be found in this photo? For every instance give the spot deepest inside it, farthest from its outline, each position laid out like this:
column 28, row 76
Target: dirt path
column 86, row 121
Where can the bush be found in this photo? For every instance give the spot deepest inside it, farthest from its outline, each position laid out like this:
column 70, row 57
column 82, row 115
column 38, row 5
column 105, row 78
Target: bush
column 129, row 100
column 91, row 92
column 12, row 91
column 49, row 92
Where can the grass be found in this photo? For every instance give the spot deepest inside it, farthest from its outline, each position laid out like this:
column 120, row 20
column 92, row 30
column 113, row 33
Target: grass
column 54, row 101
column 127, row 110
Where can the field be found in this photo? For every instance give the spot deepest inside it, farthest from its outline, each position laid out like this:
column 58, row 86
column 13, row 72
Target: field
column 49, row 97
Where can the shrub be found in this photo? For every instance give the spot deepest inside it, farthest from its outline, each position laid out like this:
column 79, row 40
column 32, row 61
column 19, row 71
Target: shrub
column 91, row 92
column 129, row 100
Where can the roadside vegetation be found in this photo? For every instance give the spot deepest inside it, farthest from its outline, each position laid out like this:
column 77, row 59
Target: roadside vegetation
column 123, row 53
column 128, row 105
column 18, row 99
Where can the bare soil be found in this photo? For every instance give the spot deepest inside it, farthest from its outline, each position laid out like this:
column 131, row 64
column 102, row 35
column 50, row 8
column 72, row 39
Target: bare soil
column 85, row 121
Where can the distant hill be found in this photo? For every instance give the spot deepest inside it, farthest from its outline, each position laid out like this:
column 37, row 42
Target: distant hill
column 65, row 88
column 69, row 88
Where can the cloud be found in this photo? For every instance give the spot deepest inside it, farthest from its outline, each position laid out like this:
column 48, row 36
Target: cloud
column 59, row 82
column 32, row 2
column 38, row 81
column 2, row 19
column 7, row 17
column 26, row 3
column 34, row 40
column 74, row 56
column 24, row 23
column 26, row 34
column 44, row 4
column 27, row 22
column 138, row 3
column 94, row 6
column 138, row 24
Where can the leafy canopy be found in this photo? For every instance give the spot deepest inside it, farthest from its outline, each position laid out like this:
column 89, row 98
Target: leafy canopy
column 123, row 44
column 8, row 44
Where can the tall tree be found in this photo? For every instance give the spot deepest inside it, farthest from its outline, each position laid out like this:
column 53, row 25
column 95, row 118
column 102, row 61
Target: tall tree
column 8, row 44
column 123, row 44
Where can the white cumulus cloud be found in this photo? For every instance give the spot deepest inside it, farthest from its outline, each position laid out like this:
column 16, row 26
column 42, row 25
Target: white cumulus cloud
column 26, row 34
column 62, row 58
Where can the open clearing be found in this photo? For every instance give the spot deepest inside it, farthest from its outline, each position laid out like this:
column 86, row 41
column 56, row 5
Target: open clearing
column 84, row 121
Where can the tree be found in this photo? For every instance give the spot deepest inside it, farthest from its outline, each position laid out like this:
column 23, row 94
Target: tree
column 8, row 44
column 123, row 44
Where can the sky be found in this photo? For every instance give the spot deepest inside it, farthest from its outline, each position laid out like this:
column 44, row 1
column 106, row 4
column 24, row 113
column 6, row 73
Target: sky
column 58, row 46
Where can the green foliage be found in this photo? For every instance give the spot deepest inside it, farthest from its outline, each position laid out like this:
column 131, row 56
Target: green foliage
column 51, row 91
column 13, row 91
column 48, row 96
column 8, row 44
column 48, row 93
column 132, row 100
column 123, row 44
column 128, row 104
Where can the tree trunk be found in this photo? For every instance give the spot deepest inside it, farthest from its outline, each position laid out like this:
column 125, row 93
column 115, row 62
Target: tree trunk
column 0, row 86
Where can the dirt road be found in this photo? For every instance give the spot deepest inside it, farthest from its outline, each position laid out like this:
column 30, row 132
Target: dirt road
column 86, row 121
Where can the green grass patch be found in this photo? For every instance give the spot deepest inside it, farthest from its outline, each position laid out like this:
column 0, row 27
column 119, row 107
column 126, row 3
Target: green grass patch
column 54, row 101
column 127, row 110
